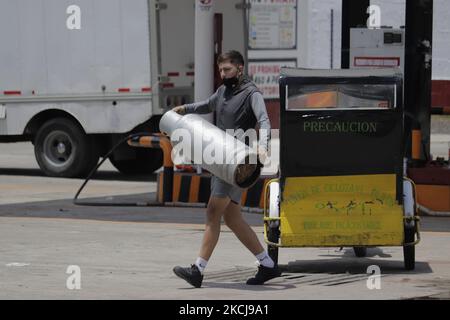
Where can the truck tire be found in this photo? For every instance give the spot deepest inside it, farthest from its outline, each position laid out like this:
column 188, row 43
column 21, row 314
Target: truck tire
column 146, row 162
column 63, row 149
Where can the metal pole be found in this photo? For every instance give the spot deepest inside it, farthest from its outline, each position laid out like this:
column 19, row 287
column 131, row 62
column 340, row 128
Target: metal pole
column 204, row 51
column 418, row 73
column 245, row 8
column 332, row 40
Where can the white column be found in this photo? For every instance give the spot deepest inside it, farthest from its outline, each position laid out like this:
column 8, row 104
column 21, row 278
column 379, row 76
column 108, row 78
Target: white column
column 204, row 50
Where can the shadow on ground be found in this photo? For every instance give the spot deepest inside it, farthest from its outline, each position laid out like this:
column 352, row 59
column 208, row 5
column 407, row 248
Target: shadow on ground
column 353, row 265
column 123, row 208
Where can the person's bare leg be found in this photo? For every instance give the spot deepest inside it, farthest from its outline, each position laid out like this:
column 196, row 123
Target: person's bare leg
column 194, row 274
column 234, row 220
column 214, row 212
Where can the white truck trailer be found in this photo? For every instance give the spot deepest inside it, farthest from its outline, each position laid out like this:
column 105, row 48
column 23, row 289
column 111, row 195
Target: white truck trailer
column 76, row 76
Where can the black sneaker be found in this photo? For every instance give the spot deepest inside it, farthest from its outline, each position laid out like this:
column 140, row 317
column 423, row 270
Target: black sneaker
column 264, row 274
column 190, row 274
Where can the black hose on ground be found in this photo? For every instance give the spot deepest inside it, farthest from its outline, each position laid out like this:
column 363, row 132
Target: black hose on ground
column 77, row 202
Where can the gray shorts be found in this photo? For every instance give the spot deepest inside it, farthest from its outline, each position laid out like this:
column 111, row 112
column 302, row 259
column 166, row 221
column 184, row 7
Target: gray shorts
column 222, row 189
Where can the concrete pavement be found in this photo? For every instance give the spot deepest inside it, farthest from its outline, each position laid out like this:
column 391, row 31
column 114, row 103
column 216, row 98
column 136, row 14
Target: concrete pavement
column 129, row 252
column 123, row 260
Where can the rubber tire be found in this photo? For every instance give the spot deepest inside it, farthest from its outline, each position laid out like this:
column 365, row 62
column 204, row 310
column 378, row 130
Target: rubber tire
column 409, row 252
column 273, row 236
column 85, row 158
column 360, row 252
column 147, row 162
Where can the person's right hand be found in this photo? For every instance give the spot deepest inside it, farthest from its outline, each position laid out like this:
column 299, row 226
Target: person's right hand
column 180, row 110
column 262, row 155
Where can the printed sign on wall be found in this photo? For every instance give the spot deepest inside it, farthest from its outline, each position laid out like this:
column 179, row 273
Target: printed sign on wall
column 265, row 74
column 272, row 24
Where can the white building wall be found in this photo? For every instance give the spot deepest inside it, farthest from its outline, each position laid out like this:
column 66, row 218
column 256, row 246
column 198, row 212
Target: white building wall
column 316, row 16
column 314, row 32
column 313, row 36
column 393, row 14
column 441, row 40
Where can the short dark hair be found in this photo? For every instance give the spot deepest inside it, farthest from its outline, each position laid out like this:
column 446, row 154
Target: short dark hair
column 232, row 56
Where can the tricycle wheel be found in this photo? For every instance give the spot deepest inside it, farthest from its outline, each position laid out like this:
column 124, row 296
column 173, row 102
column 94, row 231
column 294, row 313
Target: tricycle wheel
column 273, row 236
column 409, row 251
column 360, row 252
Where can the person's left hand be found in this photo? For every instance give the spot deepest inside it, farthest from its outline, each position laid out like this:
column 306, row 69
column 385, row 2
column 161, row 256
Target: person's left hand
column 262, row 155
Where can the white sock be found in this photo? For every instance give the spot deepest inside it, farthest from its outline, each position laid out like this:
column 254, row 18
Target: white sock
column 265, row 260
column 201, row 264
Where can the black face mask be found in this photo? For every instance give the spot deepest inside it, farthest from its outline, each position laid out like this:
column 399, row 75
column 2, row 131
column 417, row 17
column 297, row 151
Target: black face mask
column 230, row 83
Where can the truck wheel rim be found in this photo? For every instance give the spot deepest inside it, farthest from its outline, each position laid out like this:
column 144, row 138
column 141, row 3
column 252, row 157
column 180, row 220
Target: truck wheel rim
column 59, row 149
